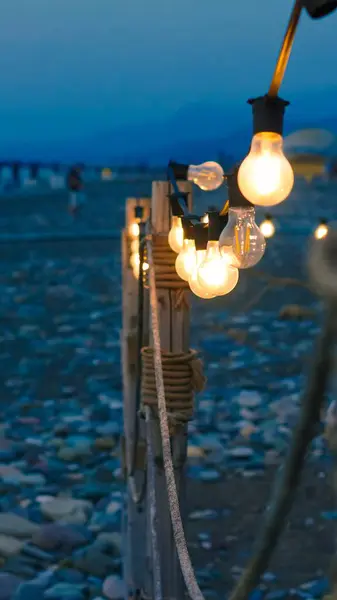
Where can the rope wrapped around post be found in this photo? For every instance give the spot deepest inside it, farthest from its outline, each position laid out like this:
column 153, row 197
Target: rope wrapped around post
column 183, row 376
column 166, row 275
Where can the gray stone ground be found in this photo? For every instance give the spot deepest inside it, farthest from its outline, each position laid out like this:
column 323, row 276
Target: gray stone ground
column 61, row 407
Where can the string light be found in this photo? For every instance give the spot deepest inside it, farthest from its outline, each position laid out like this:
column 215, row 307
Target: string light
column 186, row 259
column 176, row 235
column 208, row 175
column 241, row 240
column 322, row 230
column 196, row 288
column 266, row 177
column 267, row 227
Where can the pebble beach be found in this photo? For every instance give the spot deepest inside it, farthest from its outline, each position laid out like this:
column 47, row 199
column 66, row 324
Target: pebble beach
column 61, row 482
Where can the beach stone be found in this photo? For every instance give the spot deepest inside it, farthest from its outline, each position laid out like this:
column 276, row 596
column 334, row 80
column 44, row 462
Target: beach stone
column 94, row 562
column 55, row 536
column 29, row 591
column 67, row 510
column 14, row 525
column 10, row 546
column 249, row 399
column 67, row 591
column 114, row 588
column 68, row 575
column 111, row 541
column 8, row 585
column 105, row 443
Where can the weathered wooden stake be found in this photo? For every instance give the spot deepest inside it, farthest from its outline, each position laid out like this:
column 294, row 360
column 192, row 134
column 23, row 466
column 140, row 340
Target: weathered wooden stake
column 174, row 331
column 135, row 525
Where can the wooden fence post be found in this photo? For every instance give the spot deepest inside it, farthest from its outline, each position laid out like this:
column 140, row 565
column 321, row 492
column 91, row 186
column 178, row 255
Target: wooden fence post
column 135, row 515
column 174, row 330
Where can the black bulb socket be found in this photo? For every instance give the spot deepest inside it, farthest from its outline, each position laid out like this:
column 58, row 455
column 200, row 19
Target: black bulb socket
column 188, row 228
column 268, row 114
column 235, row 197
column 200, row 236
column 180, row 170
column 139, row 212
column 214, row 226
column 319, row 8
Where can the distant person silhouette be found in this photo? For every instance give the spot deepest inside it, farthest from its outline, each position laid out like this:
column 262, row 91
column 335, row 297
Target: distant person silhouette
column 75, row 187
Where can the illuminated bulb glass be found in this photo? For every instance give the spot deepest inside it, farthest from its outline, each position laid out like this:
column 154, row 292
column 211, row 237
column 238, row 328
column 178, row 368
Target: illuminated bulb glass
column 135, row 246
column 233, row 278
column 208, row 176
column 135, row 260
column 241, row 240
column 193, row 281
column 176, row 235
column 205, row 219
column 213, row 270
column 135, row 269
column 321, row 231
column 185, row 260
column 266, row 177
column 267, row 228
column 134, row 230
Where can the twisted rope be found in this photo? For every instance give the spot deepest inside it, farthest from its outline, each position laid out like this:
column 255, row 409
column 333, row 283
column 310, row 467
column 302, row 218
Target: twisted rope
column 166, row 275
column 157, row 586
column 177, row 525
column 182, row 376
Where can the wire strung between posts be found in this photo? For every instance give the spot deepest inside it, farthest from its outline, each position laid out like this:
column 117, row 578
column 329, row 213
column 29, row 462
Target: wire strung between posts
column 177, row 525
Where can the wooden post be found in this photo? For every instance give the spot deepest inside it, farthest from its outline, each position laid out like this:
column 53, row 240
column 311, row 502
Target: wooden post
column 134, row 530
column 174, row 331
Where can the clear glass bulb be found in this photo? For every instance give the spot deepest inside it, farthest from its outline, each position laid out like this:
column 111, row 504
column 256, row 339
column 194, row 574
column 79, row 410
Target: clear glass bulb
column 205, row 219
column 134, row 230
column 208, row 176
column 321, row 231
column 185, row 260
column 176, row 235
column 213, row 270
column 267, row 228
column 193, row 281
column 266, row 177
column 241, row 240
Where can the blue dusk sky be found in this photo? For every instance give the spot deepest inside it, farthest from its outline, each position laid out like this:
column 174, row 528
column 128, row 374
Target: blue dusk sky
column 80, row 67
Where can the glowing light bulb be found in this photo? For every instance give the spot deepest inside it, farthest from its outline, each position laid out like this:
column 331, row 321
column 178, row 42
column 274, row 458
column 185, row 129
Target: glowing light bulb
column 176, row 235
column 134, row 230
column 134, row 259
column 135, row 270
column 321, row 231
column 185, row 260
column 135, row 246
column 135, row 264
column 241, row 240
column 193, row 281
column 213, row 271
column 266, row 177
column 208, row 176
column 205, row 219
column 233, row 278
column 267, row 227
